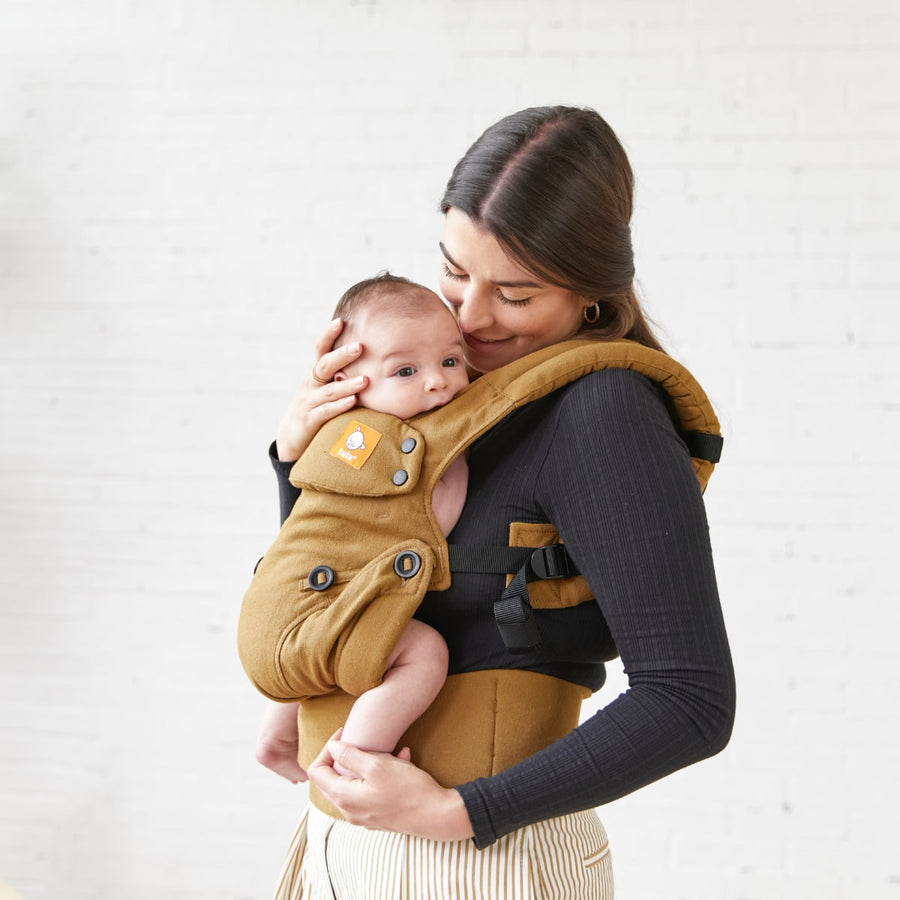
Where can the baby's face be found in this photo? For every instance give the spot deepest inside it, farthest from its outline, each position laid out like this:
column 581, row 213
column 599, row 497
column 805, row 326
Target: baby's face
column 413, row 364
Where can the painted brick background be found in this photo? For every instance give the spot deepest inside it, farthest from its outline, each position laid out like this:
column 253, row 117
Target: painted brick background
column 185, row 189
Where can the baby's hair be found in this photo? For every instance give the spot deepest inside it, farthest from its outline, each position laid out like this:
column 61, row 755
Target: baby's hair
column 402, row 298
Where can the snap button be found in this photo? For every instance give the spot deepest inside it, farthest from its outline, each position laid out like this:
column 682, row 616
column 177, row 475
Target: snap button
column 408, row 445
column 407, row 564
column 321, row 578
column 400, row 477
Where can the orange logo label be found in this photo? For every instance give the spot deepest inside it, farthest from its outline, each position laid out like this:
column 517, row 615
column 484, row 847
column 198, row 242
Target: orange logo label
column 356, row 444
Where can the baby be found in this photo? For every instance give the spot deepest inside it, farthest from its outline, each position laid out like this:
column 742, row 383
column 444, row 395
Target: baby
column 412, row 357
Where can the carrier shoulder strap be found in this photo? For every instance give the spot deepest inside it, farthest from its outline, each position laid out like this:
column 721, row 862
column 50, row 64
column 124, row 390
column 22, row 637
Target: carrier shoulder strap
column 492, row 396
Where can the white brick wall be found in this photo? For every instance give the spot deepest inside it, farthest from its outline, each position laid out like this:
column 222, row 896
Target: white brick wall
column 184, row 191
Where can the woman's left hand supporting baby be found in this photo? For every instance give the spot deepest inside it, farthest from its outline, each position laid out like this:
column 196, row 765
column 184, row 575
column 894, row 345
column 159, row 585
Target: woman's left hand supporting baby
column 389, row 794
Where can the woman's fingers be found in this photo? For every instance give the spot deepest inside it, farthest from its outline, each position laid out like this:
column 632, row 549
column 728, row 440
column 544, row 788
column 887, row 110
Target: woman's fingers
column 352, row 758
column 360, row 795
column 326, row 339
column 321, row 772
column 389, row 793
column 334, row 399
column 328, row 359
column 330, row 362
column 320, row 397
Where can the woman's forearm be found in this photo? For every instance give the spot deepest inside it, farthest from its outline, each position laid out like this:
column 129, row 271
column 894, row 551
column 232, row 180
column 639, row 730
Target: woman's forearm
column 647, row 733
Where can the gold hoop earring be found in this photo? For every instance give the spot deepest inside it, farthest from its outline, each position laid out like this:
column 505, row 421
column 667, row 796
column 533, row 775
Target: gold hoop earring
column 594, row 316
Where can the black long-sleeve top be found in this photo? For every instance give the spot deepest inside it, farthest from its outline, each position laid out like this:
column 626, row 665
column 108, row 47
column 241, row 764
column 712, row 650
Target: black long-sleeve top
column 600, row 459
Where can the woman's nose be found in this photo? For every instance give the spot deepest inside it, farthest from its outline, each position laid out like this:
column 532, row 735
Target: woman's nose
column 473, row 310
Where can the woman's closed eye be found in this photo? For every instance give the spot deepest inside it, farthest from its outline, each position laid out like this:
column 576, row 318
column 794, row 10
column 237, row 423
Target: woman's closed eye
column 508, row 300
column 447, row 272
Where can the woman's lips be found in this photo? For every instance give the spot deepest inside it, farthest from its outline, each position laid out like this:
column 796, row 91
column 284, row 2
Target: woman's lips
column 482, row 344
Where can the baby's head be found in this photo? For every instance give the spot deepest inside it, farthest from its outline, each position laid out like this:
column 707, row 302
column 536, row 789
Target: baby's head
column 412, row 351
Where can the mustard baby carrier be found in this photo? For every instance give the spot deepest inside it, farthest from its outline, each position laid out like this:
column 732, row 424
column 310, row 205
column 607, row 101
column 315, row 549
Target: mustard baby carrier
column 351, row 563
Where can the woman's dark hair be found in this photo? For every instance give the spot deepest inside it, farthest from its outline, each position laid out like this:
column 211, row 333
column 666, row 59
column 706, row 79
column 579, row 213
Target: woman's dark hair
column 554, row 186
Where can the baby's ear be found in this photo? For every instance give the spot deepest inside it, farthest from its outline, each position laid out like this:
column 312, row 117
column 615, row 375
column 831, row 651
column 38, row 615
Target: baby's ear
column 340, row 376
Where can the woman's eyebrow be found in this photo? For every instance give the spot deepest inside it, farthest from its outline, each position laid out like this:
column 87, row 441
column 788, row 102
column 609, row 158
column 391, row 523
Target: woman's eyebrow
column 508, row 284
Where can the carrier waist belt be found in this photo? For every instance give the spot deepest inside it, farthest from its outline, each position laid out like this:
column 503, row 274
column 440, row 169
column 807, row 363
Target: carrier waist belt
column 480, row 724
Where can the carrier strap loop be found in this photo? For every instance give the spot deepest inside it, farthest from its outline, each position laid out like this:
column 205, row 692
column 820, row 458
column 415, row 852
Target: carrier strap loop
column 704, row 446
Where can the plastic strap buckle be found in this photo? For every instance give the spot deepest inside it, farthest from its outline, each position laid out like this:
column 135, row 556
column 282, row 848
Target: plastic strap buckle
column 552, row 562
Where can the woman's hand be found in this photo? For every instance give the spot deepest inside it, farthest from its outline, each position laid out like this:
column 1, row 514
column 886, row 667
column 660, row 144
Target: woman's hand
column 319, row 398
column 389, row 794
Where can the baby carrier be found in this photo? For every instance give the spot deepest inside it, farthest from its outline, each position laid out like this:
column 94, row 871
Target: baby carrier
column 361, row 547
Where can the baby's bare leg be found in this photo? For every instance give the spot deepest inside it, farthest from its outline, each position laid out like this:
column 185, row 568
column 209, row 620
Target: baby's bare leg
column 417, row 671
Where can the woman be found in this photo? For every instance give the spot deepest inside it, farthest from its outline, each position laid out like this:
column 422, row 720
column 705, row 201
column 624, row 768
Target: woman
column 537, row 250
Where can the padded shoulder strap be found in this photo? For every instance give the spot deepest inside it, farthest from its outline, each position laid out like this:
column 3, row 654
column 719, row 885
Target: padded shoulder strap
column 495, row 394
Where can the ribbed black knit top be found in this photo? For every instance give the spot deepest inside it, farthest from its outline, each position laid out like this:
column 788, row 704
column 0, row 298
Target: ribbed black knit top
column 600, row 459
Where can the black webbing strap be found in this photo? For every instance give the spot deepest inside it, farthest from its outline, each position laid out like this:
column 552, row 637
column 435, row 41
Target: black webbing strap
column 480, row 558
column 512, row 612
column 704, row 446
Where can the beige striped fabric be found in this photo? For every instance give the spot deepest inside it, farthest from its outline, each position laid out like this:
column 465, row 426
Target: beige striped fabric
column 558, row 859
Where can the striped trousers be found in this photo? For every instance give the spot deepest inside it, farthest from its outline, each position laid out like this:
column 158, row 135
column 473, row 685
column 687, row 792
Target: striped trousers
column 565, row 858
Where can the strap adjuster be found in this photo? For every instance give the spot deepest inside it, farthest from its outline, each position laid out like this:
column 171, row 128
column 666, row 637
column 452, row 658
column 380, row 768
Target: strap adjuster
column 517, row 625
column 512, row 611
column 552, row 562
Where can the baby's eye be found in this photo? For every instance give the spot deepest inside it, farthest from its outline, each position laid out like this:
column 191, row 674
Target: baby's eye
column 450, row 362
column 406, row 371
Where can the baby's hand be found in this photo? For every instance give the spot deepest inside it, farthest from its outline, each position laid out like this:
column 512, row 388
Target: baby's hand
column 281, row 758
column 276, row 745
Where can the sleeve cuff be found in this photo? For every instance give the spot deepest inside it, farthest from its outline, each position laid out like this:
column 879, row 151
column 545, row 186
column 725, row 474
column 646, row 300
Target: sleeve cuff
column 281, row 467
column 484, row 831
column 287, row 493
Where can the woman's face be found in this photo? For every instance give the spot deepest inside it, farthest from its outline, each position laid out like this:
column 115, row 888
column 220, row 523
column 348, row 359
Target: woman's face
column 504, row 312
